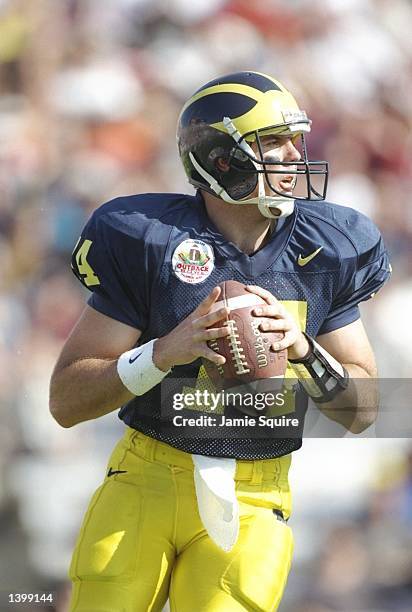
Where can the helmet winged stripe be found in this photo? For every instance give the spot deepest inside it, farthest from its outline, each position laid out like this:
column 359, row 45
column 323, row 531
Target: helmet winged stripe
column 257, row 80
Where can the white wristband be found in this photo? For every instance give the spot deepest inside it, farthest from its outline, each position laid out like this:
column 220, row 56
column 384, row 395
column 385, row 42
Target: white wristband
column 137, row 371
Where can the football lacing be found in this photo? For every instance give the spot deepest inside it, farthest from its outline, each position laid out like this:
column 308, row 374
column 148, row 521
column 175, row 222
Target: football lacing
column 236, row 349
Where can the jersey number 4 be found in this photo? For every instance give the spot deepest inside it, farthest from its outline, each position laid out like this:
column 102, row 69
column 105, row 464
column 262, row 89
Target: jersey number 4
column 84, row 269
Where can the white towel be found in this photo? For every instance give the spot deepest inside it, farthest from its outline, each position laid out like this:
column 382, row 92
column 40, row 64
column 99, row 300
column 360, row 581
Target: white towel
column 216, row 498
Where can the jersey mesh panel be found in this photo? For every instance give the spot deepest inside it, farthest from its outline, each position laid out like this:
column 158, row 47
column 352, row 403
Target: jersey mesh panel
column 174, row 300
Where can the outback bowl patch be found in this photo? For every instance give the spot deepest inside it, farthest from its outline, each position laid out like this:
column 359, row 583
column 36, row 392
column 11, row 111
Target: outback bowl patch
column 193, row 261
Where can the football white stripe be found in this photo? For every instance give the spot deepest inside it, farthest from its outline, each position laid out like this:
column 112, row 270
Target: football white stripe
column 240, row 301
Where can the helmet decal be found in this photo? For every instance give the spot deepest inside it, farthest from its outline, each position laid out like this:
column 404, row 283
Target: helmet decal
column 252, row 79
column 208, row 108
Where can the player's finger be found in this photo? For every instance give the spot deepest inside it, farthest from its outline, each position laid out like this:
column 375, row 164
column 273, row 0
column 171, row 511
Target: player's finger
column 270, row 310
column 209, row 354
column 211, row 318
column 214, row 333
column 208, row 302
column 263, row 293
column 275, row 325
column 283, row 343
column 204, row 335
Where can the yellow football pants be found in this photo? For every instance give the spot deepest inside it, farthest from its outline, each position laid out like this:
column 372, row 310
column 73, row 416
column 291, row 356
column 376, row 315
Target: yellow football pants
column 142, row 540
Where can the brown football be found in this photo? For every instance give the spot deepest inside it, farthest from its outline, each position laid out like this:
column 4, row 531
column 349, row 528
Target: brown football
column 247, row 348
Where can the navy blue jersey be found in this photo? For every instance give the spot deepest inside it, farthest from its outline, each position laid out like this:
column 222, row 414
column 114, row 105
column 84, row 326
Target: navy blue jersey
column 150, row 259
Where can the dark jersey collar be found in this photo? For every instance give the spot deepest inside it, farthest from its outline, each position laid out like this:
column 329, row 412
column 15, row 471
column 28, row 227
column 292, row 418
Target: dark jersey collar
column 256, row 262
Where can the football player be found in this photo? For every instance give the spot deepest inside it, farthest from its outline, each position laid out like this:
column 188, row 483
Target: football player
column 153, row 264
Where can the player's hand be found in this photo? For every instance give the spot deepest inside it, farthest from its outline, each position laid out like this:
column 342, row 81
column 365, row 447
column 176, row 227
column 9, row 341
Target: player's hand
column 188, row 340
column 277, row 318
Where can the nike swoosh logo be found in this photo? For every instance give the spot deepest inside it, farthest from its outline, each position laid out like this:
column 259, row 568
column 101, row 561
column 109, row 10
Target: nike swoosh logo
column 113, row 472
column 135, row 357
column 302, row 261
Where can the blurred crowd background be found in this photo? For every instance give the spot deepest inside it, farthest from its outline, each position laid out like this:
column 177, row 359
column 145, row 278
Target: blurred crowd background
column 89, row 96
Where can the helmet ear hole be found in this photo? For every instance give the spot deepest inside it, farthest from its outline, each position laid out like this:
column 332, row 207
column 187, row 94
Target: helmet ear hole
column 222, row 164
